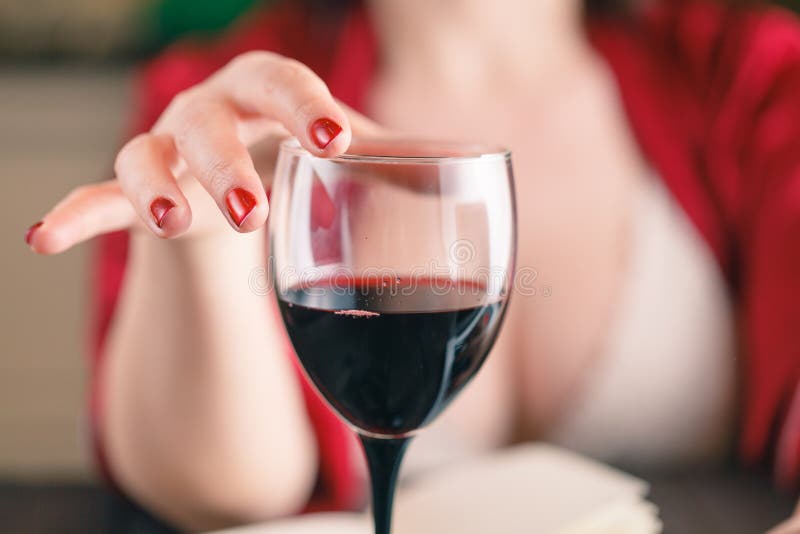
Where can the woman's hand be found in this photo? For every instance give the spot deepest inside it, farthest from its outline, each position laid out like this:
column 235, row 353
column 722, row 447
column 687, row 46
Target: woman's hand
column 195, row 163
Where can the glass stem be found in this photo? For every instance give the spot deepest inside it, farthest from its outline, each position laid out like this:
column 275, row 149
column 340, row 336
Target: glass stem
column 383, row 459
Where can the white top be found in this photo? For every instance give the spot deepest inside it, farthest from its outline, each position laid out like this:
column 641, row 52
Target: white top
column 664, row 392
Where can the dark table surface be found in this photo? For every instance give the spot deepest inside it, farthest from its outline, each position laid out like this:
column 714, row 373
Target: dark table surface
column 718, row 503
column 689, row 503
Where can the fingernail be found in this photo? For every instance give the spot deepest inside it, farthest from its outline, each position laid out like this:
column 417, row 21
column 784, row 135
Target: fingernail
column 323, row 131
column 240, row 203
column 159, row 209
column 32, row 230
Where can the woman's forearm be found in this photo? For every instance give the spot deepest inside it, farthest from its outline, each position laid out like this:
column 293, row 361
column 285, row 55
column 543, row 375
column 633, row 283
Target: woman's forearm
column 203, row 416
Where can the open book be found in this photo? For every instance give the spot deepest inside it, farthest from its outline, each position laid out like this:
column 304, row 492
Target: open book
column 528, row 489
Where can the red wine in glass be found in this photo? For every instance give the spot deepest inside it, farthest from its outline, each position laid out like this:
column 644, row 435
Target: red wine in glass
column 390, row 356
column 392, row 266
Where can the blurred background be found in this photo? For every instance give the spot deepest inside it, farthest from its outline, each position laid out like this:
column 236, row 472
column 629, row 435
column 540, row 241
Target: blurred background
column 66, row 86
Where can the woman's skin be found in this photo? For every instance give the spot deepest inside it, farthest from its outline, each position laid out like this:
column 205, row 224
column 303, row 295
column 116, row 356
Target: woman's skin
column 204, row 422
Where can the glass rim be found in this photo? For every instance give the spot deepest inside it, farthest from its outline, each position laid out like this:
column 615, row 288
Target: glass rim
column 465, row 152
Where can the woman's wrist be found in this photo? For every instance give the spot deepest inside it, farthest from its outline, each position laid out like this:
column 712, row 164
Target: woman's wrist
column 204, row 257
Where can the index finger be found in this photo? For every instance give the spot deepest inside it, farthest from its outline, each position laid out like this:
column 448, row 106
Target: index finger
column 269, row 85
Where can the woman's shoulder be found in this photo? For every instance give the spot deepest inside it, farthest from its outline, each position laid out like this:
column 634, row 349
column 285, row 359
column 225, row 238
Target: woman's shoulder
column 728, row 42
column 707, row 43
column 710, row 89
column 743, row 66
column 741, row 60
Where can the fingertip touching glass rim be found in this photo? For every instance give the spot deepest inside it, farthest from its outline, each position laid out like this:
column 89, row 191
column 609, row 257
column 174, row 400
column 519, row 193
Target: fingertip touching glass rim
column 407, row 150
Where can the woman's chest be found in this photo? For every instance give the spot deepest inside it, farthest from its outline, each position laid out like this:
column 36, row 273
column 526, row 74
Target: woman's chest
column 576, row 172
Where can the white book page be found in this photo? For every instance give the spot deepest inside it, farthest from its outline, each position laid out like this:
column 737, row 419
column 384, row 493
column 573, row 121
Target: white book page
column 528, row 489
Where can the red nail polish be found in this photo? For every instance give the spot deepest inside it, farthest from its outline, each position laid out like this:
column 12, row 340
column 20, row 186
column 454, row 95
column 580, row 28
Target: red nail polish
column 159, row 209
column 32, row 230
column 240, row 203
column 323, row 131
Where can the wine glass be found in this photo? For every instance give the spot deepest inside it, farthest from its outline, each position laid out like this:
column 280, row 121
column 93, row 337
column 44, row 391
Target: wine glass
column 392, row 265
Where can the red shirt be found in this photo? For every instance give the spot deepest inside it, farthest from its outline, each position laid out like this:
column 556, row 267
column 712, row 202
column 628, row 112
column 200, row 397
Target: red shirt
column 712, row 94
